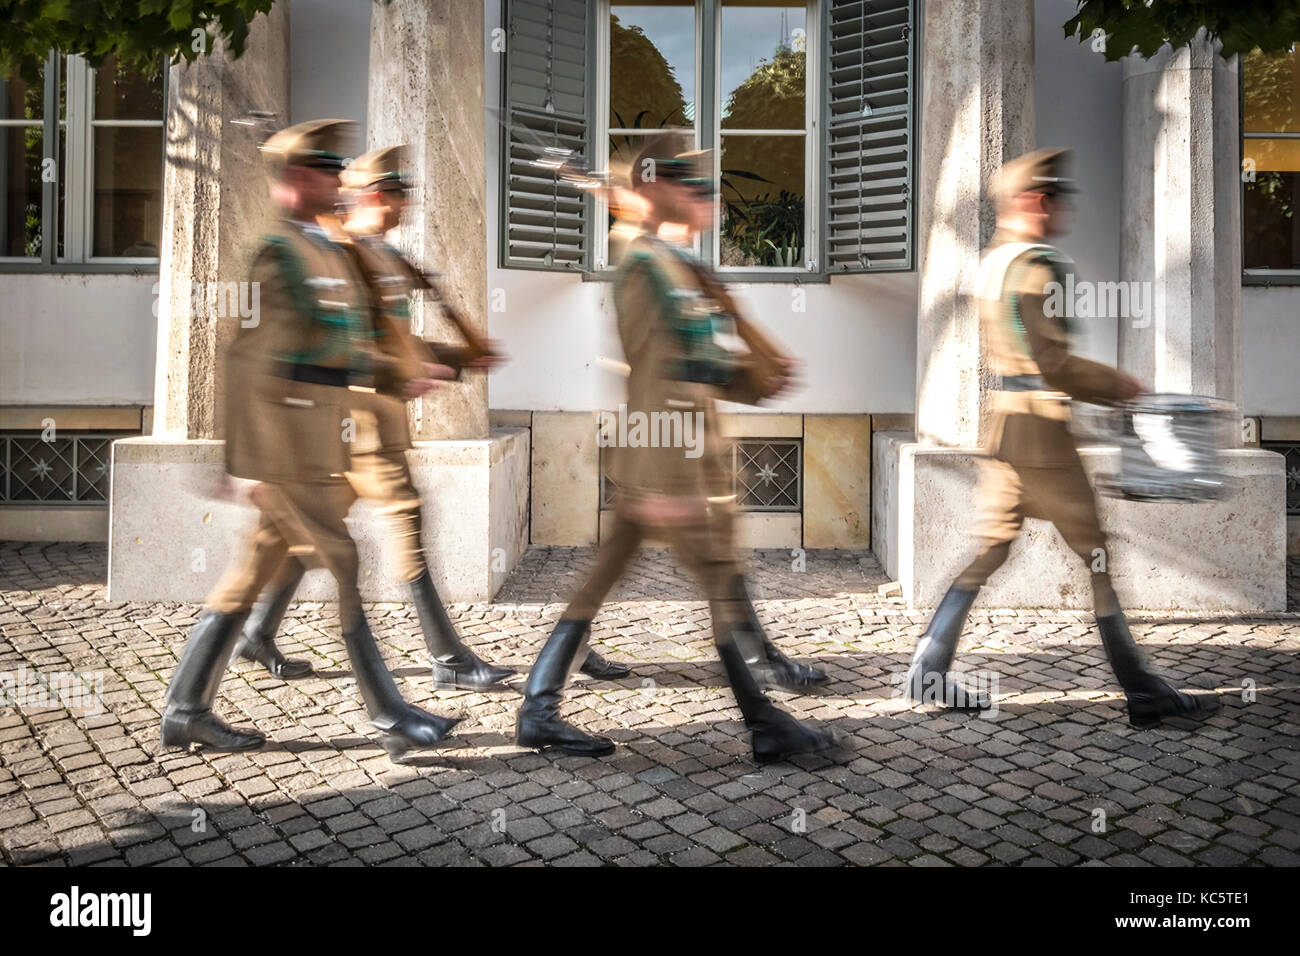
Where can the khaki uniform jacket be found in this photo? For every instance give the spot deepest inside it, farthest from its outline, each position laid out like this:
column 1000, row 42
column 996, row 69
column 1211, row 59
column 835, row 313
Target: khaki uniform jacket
column 277, row 429
column 1031, row 428
column 652, row 349
column 390, row 282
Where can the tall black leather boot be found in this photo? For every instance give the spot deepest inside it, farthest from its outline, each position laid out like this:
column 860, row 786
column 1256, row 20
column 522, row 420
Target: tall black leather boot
column 404, row 726
column 257, row 642
column 188, row 718
column 539, row 724
column 927, row 679
column 766, row 661
column 775, row 735
column 1150, row 698
column 454, row 664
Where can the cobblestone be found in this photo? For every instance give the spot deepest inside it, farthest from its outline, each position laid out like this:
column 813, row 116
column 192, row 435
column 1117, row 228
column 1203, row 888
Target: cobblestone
column 1056, row 778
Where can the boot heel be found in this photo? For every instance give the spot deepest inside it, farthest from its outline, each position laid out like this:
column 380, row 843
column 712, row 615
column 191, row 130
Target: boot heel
column 174, row 736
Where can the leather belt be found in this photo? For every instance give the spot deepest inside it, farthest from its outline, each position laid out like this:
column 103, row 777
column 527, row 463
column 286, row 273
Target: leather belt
column 1024, row 383
column 316, row 374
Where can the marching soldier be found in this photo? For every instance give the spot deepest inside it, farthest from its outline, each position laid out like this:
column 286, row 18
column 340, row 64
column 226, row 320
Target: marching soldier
column 677, row 325
column 288, row 405
column 379, row 470
column 1033, row 467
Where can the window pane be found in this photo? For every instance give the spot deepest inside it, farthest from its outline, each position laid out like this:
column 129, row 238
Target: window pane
column 125, row 94
column 128, row 190
column 18, row 100
column 763, row 75
column 1272, row 229
column 20, row 203
column 652, row 65
column 1271, row 91
column 762, row 201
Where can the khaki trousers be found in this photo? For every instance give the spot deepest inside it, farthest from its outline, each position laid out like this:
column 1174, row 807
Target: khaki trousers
column 298, row 520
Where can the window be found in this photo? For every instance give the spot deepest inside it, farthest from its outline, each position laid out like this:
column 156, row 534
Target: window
column 1270, row 119
column 808, row 106
column 81, row 158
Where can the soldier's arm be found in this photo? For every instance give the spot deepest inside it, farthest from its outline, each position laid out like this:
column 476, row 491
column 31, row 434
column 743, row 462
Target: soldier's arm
column 1082, row 379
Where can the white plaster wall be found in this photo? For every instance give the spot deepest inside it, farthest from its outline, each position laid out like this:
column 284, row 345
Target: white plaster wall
column 1078, row 105
column 1270, row 342
column 329, row 51
column 77, row 339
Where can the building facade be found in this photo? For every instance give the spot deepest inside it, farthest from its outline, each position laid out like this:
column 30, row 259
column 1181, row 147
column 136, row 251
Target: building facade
column 854, row 142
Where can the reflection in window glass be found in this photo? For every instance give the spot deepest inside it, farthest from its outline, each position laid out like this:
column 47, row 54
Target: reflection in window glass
column 21, row 150
column 762, row 71
column 128, row 161
column 763, row 77
column 762, row 201
column 1271, row 96
column 651, row 70
column 126, row 94
column 128, row 191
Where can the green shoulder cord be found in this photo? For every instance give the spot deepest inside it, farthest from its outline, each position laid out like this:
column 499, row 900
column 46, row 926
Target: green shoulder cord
column 699, row 363
column 1013, row 298
column 341, row 327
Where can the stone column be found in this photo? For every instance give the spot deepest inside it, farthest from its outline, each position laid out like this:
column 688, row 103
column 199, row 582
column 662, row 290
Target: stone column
column 978, row 112
column 215, row 209
column 1181, row 230
column 426, row 90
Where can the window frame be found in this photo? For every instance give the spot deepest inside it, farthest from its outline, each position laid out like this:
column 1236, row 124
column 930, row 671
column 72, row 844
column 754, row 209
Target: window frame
column 77, row 227
column 1254, row 276
column 708, row 133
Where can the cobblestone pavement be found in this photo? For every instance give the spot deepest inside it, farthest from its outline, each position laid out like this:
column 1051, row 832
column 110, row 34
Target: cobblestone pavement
column 1057, row 778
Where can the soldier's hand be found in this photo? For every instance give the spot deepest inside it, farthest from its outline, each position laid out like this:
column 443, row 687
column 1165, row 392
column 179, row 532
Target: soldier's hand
column 789, row 376
column 492, row 360
column 443, row 372
column 1129, row 387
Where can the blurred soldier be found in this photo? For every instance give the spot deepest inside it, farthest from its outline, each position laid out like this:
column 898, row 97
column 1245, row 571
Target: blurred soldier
column 289, row 374
column 1033, row 468
column 679, row 337
column 379, row 470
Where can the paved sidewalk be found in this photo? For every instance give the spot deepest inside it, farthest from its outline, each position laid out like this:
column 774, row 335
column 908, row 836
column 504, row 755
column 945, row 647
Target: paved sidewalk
column 1057, row 778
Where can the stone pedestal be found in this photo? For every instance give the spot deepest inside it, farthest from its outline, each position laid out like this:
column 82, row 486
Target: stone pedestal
column 1228, row 555
column 171, row 538
column 1182, row 225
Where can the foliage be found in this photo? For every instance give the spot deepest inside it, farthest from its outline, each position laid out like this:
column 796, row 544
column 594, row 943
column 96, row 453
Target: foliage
column 648, row 96
column 1145, row 26
column 140, row 34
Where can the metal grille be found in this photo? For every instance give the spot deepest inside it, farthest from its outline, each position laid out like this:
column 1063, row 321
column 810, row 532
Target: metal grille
column 71, row 468
column 766, row 475
column 1290, row 451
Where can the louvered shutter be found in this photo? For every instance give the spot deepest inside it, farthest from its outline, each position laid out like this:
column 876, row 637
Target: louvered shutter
column 543, row 104
column 870, row 138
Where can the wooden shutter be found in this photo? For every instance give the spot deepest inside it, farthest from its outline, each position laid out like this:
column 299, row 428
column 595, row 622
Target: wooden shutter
column 543, row 104
column 870, row 135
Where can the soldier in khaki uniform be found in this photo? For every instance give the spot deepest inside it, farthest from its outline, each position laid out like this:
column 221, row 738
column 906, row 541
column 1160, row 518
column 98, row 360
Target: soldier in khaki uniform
column 684, row 355
column 289, row 377
column 1033, row 468
column 379, row 470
